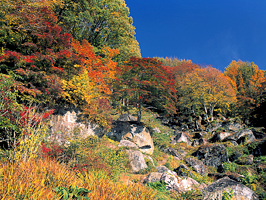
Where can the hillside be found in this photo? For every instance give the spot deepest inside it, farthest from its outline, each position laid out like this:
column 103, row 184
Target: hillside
column 84, row 116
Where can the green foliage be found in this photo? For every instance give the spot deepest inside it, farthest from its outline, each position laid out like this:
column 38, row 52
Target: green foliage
column 72, row 192
column 228, row 195
column 101, row 23
column 230, row 167
column 160, row 186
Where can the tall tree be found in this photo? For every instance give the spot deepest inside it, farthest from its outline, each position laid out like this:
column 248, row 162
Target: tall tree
column 207, row 89
column 36, row 50
column 146, row 80
column 101, row 23
column 249, row 83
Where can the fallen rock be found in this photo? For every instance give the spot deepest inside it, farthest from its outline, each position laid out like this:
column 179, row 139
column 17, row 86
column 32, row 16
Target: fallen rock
column 137, row 160
column 178, row 184
column 173, row 152
column 199, row 135
column 153, row 177
column 133, row 132
column 181, row 137
column 257, row 148
column 219, row 137
column 126, row 118
column 127, row 143
column 212, row 155
column 197, row 166
column 242, row 136
column 216, row 189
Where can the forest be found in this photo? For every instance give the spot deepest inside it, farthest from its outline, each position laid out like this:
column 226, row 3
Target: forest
column 84, row 55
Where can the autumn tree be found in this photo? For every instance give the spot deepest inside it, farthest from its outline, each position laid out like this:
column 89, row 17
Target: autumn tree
column 90, row 89
column 146, row 80
column 101, row 23
column 206, row 89
column 249, row 83
column 36, row 50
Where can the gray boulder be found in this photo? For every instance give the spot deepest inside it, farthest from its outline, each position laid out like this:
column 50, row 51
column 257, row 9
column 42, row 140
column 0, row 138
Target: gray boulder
column 153, row 177
column 178, row 184
column 133, row 132
column 173, row 152
column 137, row 160
column 126, row 143
column 197, row 166
column 212, row 155
column 245, row 135
column 219, row 137
column 181, row 137
column 216, row 189
column 126, row 118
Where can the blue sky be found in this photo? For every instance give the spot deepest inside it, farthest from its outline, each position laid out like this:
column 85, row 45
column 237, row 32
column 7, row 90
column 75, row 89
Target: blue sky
column 208, row 32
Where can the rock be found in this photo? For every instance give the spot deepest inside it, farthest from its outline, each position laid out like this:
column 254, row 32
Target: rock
column 153, row 177
column 219, row 137
column 179, row 184
column 242, row 136
column 126, row 143
column 181, row 137
column 170, row 180
column 65, row 124
column 232, row 126
column 259, row 132
column 133, row 132
column 213, row 127
column 126, row 118
column 197, row 142
column 183, row 170
column 245, row 160
column 199, row 135
column 212, row 155
column 173, row 152
column 137, row 160
column 257, row 148
column 187, row 184
column 216, row 189
column 197, row 166
column 163, row 169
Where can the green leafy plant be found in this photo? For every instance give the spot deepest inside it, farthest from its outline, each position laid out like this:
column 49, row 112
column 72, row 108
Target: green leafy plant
column 160, row 186
column 72, row 192
column 228, row 195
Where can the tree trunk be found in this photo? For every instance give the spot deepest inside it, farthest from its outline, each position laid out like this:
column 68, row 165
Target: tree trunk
column 206, row 113
column 139, row 113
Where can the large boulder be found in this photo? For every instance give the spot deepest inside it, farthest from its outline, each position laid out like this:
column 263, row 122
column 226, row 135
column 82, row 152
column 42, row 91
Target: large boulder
column 133, row 132
column 126, row 118
column 137, row 160
column 197, row 166
column 153, row 177
column 219, row 137
column 65, row 124
column 216, row 189
column 181, row 137
column 178, row 184
column 212, row 155
column 245, row 135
